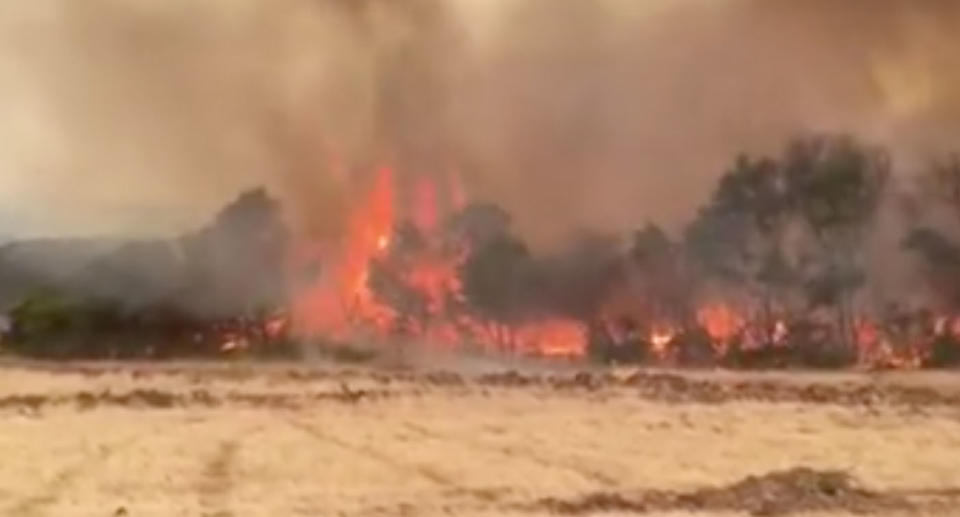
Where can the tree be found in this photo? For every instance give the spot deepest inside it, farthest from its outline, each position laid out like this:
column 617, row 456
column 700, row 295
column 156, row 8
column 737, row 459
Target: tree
column 942, row 182
column 937, row 249
column 836, row 186
column 666, row 277
column 656, row 292
column 940, row 259
column 824, row 189
column 235, row 266
column 498, row 282
column 477, row 224
column 580, row 277
column 739, row 236
column 388, row 276
column 50, row 324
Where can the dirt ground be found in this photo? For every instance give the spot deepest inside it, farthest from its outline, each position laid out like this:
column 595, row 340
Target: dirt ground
column 274, row 440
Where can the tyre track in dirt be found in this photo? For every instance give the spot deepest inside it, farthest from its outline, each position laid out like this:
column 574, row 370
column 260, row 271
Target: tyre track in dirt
column 216, row 481
column 427, row 472
column 514, row 451
column 215, row 484
column 53, row 489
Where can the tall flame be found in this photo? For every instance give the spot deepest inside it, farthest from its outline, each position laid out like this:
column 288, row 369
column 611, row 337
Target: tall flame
column 339, row 301
column 340, row 293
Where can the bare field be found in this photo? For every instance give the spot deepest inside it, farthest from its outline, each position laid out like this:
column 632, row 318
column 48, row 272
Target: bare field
column 272, row 440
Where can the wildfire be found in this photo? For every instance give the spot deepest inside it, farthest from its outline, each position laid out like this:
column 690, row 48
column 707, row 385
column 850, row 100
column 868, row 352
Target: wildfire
column 721, row 322
column 338, row 303
column 553, row 338
column 344, row 298
column 660, row 340
column 340, row 295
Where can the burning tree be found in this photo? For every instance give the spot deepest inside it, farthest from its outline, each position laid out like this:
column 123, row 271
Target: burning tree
column 739, row 237
column 578, row 280
column 498, row 282
column 767, row 274
column 837, row 185
column 938, row 250
column 664, row 274
column 938, row 247
column 242, row 254
column 794, row 228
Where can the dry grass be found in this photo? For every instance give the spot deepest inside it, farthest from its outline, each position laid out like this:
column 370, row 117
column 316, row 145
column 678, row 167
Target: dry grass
column 424, row 449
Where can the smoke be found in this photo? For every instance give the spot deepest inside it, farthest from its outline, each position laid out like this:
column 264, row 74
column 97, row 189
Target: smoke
column 145, row 116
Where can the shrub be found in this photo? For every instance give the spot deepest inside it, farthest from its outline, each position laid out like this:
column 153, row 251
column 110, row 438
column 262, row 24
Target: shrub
column 944, row 353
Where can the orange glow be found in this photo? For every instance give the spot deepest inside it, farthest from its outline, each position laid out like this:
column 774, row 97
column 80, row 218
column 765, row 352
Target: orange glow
column 720, row 322
column 553, row 338
column 423, row 297
column 876, row 350
column 660, row 341
column 338, row 302
column 425, row 210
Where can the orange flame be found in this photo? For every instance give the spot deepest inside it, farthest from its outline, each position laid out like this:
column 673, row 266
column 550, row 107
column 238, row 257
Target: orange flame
column 553, row 338
column 340, row 293
column 720, row 322
column 340, row 301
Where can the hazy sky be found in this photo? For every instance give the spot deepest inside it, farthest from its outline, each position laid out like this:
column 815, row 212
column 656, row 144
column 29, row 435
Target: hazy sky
column 147, row 115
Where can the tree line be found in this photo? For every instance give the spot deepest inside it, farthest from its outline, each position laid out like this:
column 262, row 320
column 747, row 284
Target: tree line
column 785, row 239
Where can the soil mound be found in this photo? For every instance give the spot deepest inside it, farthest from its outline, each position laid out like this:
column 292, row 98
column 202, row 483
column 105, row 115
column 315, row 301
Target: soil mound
column 797, row 490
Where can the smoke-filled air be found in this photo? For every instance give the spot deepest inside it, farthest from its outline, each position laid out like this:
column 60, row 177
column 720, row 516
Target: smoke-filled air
column 738, row 182
column 479, row 258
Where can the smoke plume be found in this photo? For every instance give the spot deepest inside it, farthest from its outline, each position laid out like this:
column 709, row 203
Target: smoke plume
column 145, row 116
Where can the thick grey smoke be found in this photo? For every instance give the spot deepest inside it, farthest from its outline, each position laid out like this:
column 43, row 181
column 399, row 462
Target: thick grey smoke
column 147, row 115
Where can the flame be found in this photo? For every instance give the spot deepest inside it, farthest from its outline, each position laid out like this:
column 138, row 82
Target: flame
column 553, row 338
column 339, row 301
column 876, row 349
column 721, row 322
column 780, row 332
column 276, row 327
column 340, row 293
column 660, row 340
